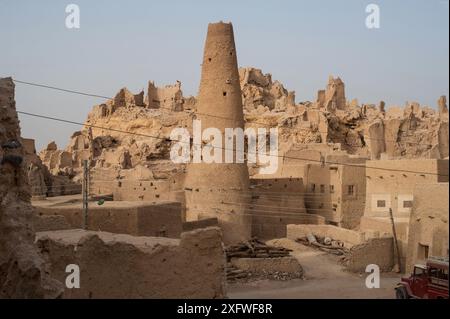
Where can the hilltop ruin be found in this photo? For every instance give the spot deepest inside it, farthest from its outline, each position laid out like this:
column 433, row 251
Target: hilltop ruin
column 139, row 136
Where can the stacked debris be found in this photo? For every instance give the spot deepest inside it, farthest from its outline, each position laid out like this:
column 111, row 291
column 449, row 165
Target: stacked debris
column 255, row 248
column 326, row 244
column 235, row 274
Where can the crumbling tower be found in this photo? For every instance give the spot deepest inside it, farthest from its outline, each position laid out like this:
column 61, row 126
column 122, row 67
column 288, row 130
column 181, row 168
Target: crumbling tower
column 335, row 94
column 220, row 189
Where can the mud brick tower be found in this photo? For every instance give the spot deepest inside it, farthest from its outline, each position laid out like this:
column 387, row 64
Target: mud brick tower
column 220, row 189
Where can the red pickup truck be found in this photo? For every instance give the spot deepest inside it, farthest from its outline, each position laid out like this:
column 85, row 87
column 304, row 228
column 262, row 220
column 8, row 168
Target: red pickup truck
column 429, row 281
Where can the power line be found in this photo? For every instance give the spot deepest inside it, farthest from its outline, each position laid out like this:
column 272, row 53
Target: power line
column 247, row 211
column 63, row 90
column 93, row 126
column 222, row 148
column 197, row 113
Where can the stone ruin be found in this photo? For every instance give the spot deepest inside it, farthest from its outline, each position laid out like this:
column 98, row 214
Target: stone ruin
column 23, row 272
column 333, row 98
column 261, row 94
column 368, row 130
column 49, row 175
column 170, row 97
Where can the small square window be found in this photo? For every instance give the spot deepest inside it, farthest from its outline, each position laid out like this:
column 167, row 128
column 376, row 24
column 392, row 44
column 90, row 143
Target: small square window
column 381, row 203
column 351, row 190
column 322, row 188
column 313, row 188
column 331, row 189
column 407, row 204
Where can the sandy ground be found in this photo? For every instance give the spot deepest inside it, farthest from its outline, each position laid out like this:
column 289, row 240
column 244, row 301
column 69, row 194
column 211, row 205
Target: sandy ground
column 324, row 278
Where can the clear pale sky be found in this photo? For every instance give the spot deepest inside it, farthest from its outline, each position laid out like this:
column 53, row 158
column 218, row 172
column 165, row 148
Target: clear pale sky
column 126, row 43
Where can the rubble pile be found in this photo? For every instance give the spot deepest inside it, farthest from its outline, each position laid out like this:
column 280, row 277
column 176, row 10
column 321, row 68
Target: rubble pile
column 261, row 94
column 234, row 274
column 255, row 248
column 326, row 244
column 240, row 269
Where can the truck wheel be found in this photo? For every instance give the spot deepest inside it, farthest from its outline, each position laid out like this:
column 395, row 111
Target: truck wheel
column 400, row 293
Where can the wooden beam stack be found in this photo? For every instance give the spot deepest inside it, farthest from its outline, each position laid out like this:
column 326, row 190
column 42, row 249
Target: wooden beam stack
column 255, row 248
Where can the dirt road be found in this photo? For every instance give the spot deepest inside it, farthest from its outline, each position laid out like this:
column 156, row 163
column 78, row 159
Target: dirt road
column 324, row 278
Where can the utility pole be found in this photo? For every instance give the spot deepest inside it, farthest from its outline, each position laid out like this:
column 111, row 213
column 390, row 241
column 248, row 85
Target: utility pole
column 85, row 191
column 395, row 240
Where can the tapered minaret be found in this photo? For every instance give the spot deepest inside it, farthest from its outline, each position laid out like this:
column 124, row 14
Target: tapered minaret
column 220, row 189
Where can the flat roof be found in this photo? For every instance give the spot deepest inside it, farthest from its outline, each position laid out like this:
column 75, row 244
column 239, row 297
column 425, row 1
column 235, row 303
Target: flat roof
column 75, row 236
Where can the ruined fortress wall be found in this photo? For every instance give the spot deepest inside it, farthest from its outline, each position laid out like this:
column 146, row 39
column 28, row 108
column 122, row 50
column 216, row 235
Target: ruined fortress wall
column 335, row 94
column 391, row 128
column 138, row 219
column 123, row 266
column 38, row 174
column 375, row 139
column 29, row 145
column 169, row 97
column 22, row 269
column 412, row 132
column 428, row 226
column 220, row 106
